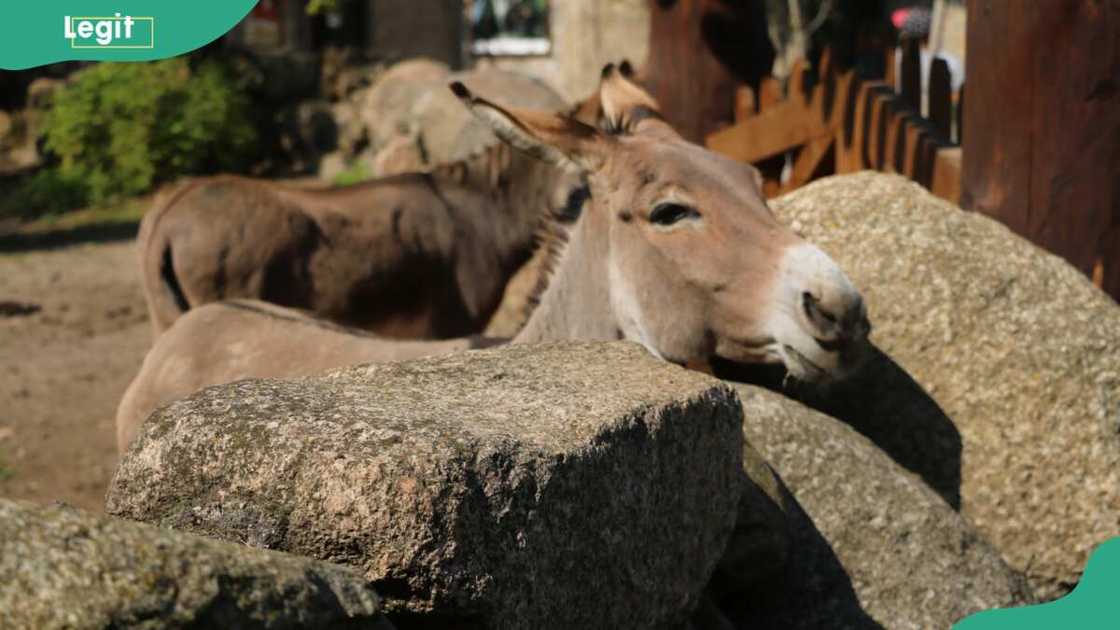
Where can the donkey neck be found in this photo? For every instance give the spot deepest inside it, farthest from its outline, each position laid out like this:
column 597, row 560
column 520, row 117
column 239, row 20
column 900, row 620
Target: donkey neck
column 576, row 304
column 519, row 190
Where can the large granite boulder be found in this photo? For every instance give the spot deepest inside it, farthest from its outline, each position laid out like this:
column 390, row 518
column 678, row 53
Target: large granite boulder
column 1012, row 344
column 64, row 568
column 556, row 486
column 870, row 543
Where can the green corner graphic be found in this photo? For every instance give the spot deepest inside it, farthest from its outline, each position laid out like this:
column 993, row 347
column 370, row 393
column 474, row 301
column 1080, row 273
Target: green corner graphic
column 65, row 30
column 1092, row 605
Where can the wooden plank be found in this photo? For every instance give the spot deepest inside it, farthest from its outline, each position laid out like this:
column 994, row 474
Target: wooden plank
column 876, row 135
column 890, row 77
column 947, row 174
column 881, row 114
column 911, row 146
column 1042, row 121
column 773, row 131
column 824, row 66
column 941, row 98
column 829, row 87
column 844, row 106
column 959, row 137
column 927, row 155
column 911, row 75
column 744, row 103
column 808, row 161
column 795, row 88
column 1075, row 166
column 769, row 93
column 850, row 149
column 894, row 128
column 994, row 178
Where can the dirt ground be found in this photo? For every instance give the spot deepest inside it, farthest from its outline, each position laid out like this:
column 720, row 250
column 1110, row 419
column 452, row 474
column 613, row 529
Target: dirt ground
column 73, row 331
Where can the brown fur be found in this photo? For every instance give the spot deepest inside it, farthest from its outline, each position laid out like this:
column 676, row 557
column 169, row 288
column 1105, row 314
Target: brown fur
column 412, row 255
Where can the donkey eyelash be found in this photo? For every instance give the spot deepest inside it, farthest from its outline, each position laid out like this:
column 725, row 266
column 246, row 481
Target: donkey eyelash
column 670, row 213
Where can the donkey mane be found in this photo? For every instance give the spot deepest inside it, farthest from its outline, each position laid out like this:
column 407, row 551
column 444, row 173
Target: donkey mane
column 492, row 165
column 552, row 237
column 554, row 232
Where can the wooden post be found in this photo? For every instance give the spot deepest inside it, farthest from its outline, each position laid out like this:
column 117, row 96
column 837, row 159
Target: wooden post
column 699, row 52
column 1042, row 126
column 941, row 99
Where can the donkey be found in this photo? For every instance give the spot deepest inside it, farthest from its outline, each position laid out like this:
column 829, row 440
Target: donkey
column 416, row 255
column 676, row 250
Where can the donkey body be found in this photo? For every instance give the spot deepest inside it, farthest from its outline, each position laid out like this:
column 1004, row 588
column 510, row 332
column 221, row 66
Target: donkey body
column 418, row 255
column 676, row 250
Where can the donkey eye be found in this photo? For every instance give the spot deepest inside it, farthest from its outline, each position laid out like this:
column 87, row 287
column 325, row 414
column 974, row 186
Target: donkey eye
column 669, row 213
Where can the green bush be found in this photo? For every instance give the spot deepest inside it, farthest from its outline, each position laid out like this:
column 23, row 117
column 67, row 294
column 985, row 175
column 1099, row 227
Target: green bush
column 355, row 173
column 120, row 128
column 46, row 192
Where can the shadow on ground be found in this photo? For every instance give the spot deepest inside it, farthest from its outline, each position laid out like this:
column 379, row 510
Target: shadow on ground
column 50, row 238
column 887, row 406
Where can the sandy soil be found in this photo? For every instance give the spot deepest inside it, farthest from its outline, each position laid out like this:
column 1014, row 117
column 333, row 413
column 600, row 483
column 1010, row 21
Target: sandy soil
column 73, row 331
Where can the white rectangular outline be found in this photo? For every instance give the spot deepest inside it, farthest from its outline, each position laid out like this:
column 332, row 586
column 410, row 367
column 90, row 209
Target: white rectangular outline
column 151, row 19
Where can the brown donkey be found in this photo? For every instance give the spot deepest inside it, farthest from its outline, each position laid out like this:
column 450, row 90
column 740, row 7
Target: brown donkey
column 676, row 250
column 418, row 255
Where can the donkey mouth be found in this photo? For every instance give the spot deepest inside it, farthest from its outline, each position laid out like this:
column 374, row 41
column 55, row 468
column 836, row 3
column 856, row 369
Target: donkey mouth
column 801, row 367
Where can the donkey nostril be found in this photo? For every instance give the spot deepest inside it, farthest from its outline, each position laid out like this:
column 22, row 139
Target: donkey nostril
column 812, row 307
column 807, row 304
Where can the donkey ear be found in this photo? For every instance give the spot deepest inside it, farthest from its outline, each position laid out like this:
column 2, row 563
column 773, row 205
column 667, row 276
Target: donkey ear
column 550, row 137
column 626, row 106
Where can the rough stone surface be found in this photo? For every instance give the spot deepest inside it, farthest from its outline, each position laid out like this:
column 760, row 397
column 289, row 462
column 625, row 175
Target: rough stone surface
column 351, row 129
column 41, row 90
column 450, row 133
column 64, row 568
column 413, row 122
column 870, row 543
column 1017, row 348
column 390, row 100
column 19, row 132
column 554, row 486
column 401, row 155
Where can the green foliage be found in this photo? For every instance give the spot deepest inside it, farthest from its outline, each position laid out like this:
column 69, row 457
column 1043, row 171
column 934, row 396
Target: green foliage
column 48, row 191
column 354, row 174
column 314, row 7
column 120, row 128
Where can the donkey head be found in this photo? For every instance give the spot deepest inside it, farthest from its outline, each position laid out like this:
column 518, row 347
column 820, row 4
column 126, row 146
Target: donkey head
column 697, row 266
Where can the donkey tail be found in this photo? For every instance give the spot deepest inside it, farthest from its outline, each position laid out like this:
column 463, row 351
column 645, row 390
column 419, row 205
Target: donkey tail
column 162, row 290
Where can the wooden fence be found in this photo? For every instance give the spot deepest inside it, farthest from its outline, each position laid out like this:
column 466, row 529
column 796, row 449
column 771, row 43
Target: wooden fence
column 832, row 122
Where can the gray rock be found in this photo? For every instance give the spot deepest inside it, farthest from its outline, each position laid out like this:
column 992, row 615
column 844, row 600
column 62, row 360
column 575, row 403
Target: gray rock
column 64, row 568
column 351, row 130
column 450, row 133
column 316, row 127
column 1010, row 342
column 6, row 126
column 554, row 486
column 400, row 155
column 19, row 136
column 870, row 544
column 41, row 91
column 390, row 101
